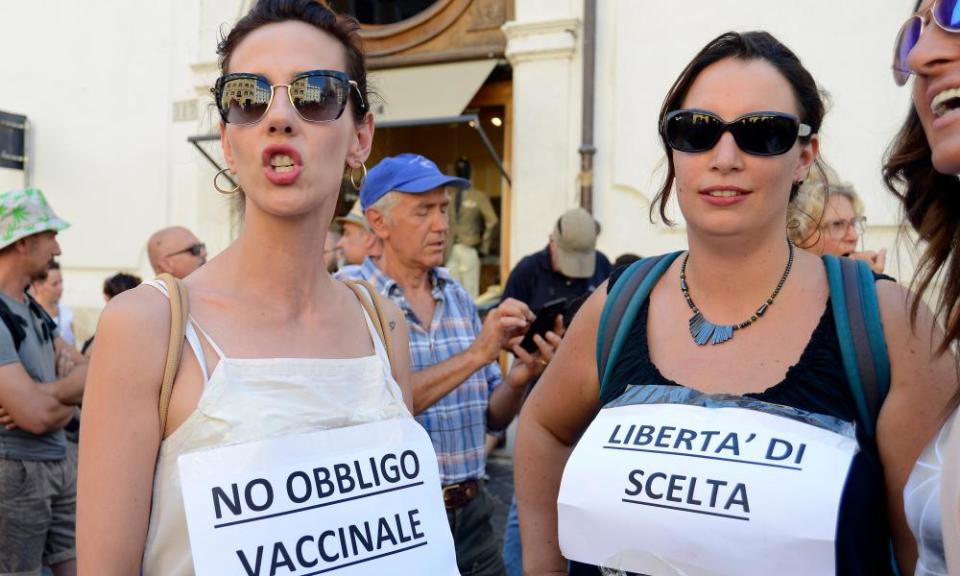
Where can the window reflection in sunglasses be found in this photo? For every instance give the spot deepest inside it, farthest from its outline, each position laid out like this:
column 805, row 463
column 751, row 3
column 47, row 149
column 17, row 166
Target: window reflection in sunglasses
column 317, row 96
column 197, row 249
column 757, row 133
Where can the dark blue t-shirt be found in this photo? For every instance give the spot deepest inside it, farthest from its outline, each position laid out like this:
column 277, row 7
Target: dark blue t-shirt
column 534, row 281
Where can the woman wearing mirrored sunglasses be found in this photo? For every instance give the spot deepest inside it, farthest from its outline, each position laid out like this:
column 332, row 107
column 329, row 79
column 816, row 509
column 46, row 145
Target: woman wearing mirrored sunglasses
column 742, row 319
column 275, row 346
column 921, row 170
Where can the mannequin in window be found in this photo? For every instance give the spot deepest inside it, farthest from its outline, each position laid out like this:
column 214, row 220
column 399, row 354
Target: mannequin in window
column 472, row 222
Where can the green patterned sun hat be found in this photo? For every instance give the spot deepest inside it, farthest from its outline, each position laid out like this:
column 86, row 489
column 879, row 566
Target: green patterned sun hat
column 25, row 212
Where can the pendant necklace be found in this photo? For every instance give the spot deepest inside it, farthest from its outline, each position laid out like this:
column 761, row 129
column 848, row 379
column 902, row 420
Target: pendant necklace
column 706, row 332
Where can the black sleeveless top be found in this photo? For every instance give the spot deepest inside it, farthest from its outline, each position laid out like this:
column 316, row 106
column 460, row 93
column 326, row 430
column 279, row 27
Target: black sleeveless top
column 816, row 383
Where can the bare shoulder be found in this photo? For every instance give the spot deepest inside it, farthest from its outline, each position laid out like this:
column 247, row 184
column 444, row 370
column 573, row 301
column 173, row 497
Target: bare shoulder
column 919, row 335
column 895, row 301
column 589, row 313
column 134, row 328
column 144, row 307
column 393, row 313
column 909, row 340
column 395, row 329
column 916, row 360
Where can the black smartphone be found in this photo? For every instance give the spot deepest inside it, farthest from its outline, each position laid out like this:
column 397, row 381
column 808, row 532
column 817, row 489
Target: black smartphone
column 544, row 322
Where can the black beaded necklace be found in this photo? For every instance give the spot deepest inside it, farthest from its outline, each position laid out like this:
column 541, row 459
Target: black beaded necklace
column 706, row 332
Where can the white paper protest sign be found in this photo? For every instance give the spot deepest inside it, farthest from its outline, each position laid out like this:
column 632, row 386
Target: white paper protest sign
column 357, row 501
column 668, row 490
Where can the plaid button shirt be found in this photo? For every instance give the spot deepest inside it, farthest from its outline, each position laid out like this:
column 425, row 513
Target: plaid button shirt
column 457, row 423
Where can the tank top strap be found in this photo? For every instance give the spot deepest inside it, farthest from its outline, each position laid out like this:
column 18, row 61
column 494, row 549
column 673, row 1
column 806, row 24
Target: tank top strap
column 194, row 341
column 191, row 334
column 378, row 346
column 206, row 335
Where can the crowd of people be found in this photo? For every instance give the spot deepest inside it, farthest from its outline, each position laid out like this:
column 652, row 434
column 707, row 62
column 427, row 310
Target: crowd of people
column 765, row 400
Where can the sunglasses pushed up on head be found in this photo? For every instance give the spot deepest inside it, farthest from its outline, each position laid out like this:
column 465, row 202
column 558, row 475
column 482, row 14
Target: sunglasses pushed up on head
column 316, row 95
column 943, row 13
column 756, row 133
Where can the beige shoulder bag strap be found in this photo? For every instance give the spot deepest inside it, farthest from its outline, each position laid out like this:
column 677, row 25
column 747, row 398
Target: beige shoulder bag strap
column 179, row 310
column 375, row 311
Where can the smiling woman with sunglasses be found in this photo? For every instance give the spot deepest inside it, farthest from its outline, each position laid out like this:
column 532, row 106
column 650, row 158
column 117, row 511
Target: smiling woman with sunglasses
column 921, row 169
column 274, row 346
column 708, row 364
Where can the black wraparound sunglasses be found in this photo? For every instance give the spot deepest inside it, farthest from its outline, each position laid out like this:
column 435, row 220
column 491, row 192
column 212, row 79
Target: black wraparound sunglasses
column 757, row 133
column 316, row 95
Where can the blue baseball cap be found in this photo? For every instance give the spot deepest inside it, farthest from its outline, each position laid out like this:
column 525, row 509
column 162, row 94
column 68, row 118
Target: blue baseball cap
column 410, row 173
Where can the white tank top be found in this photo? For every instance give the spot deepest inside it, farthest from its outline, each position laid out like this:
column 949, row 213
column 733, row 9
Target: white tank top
column 252, row 399
column 921, row 502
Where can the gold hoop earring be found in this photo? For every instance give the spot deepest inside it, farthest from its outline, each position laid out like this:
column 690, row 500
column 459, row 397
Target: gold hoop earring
column 224, row 191
column 363, row 176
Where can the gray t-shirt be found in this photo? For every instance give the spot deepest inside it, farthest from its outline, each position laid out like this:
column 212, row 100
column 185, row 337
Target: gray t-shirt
column 38, row 358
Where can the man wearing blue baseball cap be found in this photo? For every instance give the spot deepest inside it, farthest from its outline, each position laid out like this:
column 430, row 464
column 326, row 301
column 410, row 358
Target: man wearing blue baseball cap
column 458, row 390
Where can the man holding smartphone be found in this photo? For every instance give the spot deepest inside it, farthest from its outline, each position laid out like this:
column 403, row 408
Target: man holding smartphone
column 458, row 390
column 570, row 267
column 567, row 271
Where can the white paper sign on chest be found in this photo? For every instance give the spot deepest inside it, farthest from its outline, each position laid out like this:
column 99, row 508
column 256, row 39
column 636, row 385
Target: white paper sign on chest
column 666, row 489
column 358, row 501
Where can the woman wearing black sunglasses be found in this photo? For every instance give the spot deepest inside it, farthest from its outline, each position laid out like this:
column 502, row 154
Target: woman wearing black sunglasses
column 921, row 170
column 275, row 346
column 662, row 481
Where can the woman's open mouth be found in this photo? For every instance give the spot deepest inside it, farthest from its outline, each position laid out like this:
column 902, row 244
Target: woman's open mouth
column 282, row 164
column 945, row 102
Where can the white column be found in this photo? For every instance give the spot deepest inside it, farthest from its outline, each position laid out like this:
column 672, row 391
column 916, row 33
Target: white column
column 545, row 55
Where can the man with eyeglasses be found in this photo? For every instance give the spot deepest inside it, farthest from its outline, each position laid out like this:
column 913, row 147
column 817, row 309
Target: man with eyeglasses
column 176, row 251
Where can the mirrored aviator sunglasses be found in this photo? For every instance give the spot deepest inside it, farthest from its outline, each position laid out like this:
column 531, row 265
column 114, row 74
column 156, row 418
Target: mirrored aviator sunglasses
column 757, row 133
column 317, row 96
column 944, row 13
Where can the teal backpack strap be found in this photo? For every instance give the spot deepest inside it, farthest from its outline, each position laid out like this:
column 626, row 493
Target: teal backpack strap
column 628, row 294
column 856, row 311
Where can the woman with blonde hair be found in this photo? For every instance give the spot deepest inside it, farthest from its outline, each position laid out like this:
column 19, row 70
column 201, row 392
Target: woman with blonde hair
column 826, row 217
